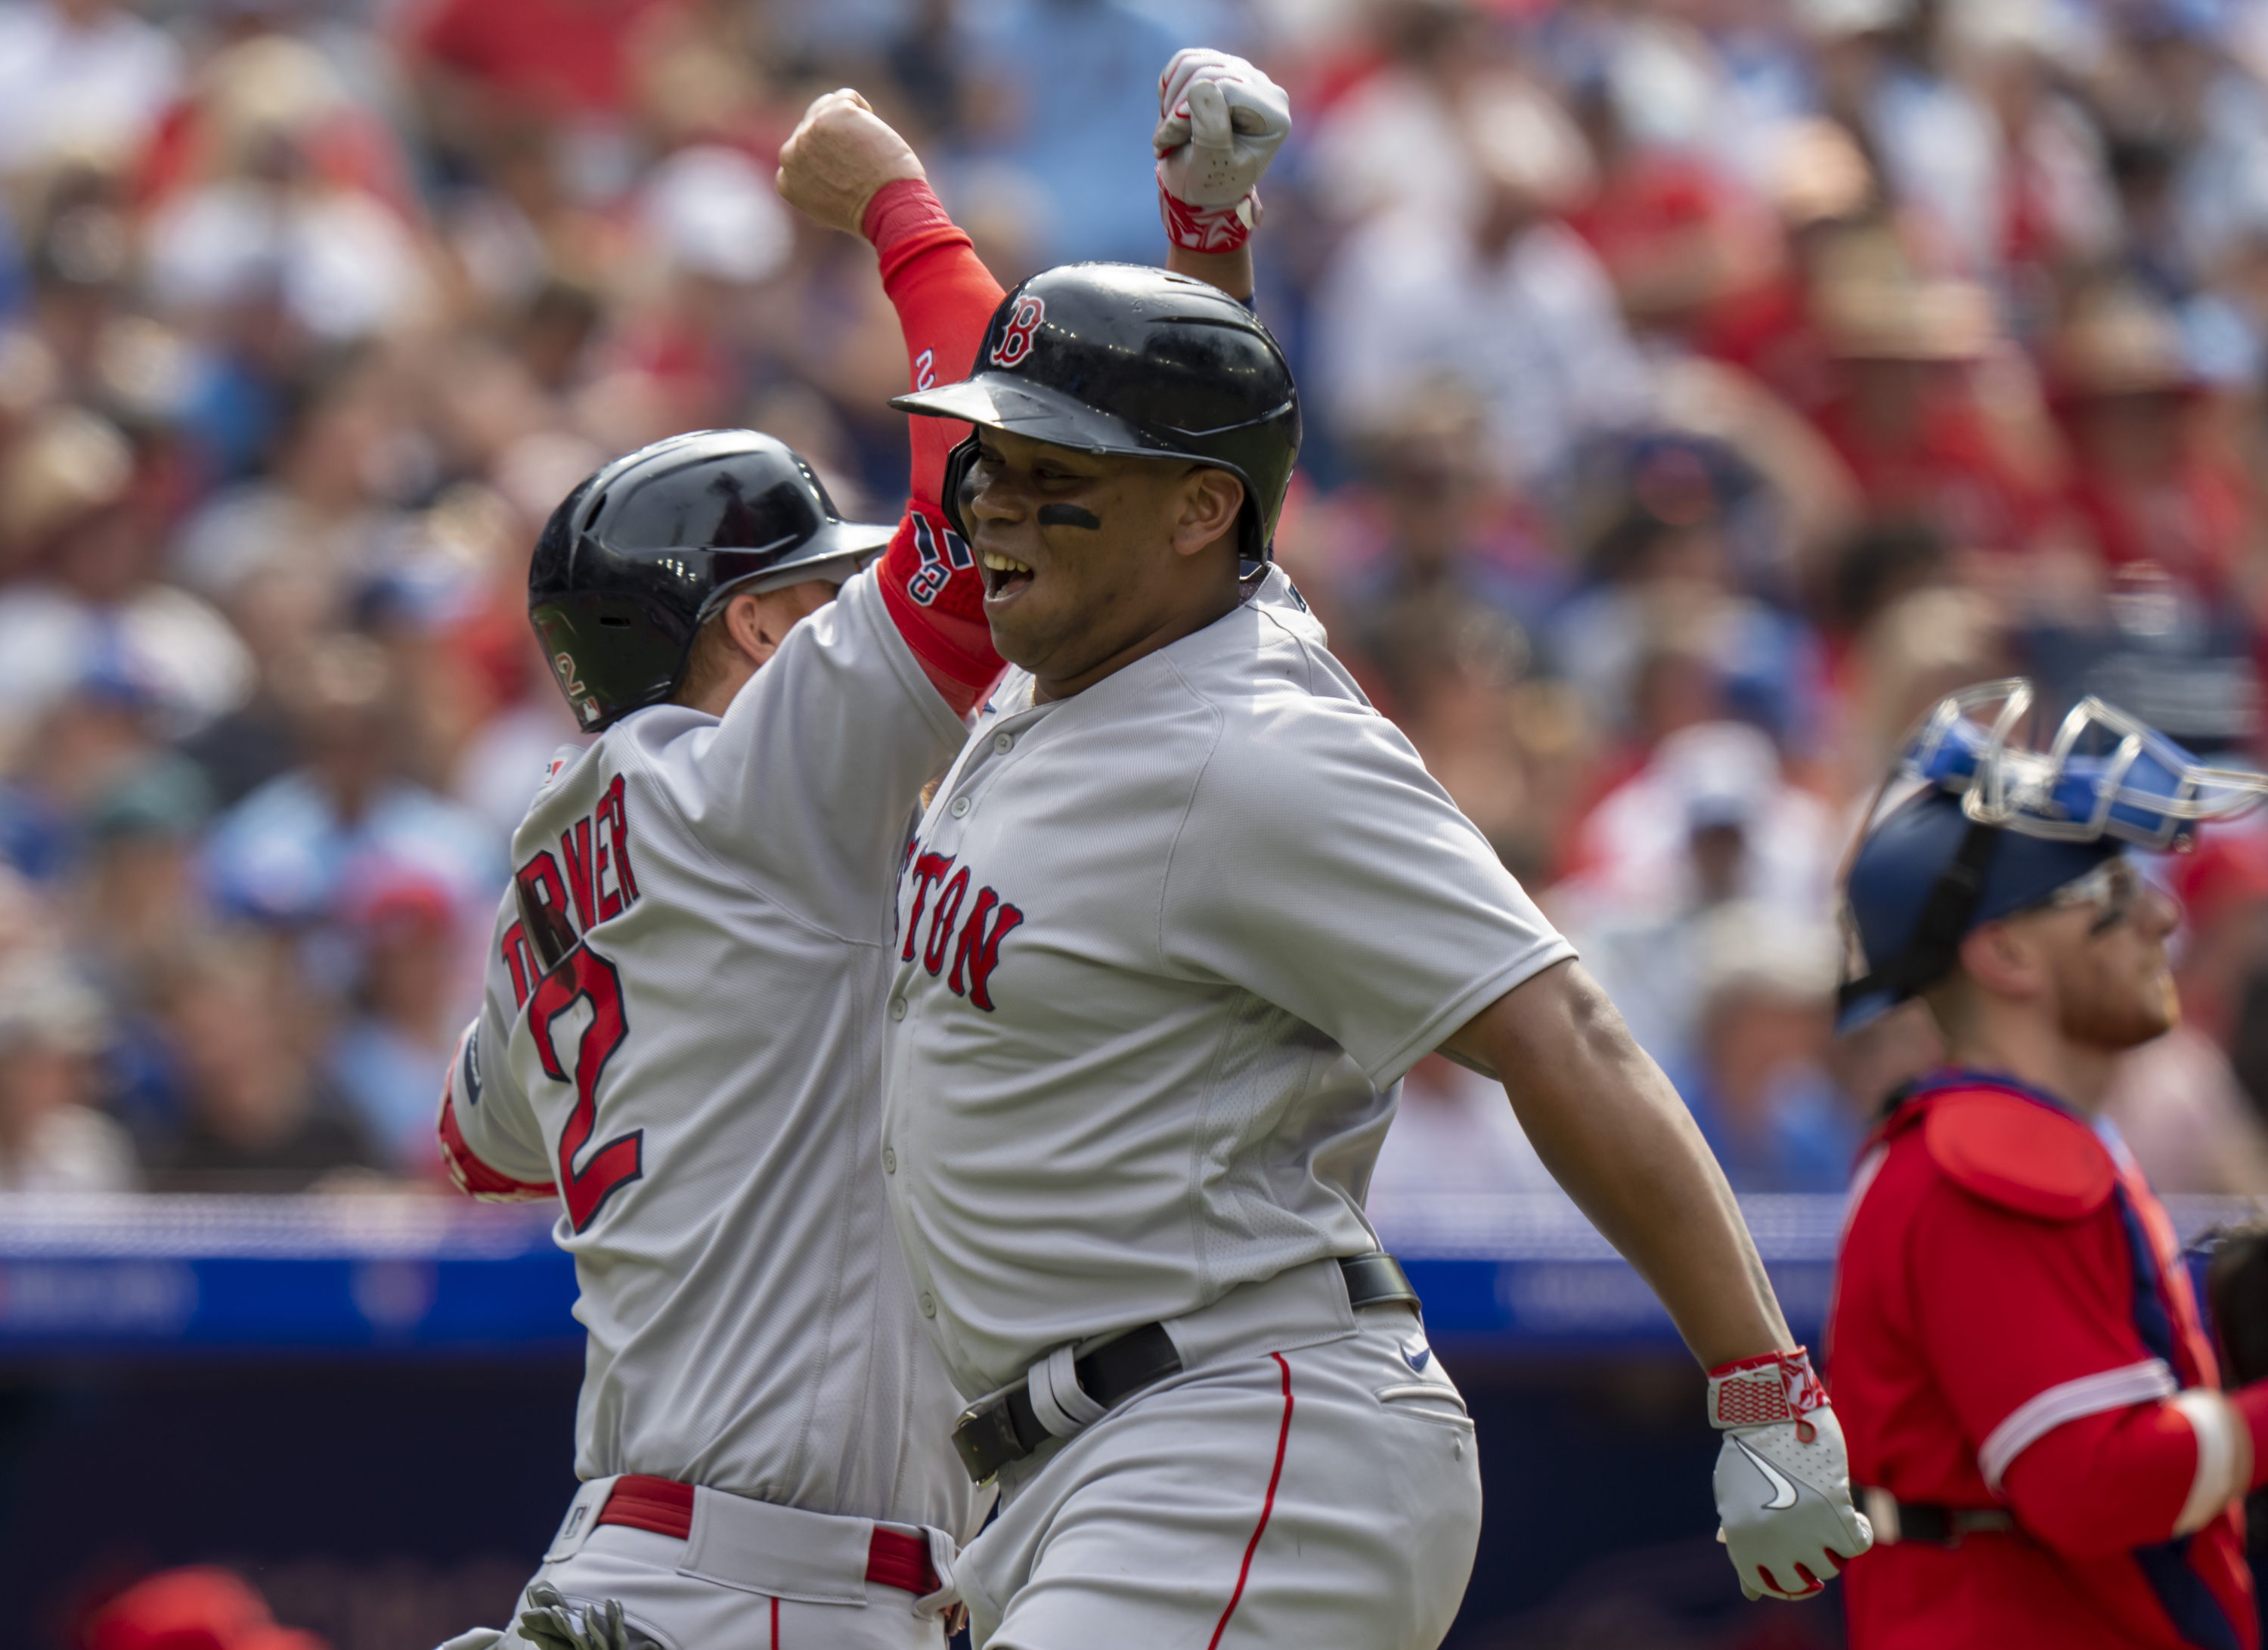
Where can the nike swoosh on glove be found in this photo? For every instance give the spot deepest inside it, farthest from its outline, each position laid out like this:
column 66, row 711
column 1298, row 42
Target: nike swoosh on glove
column 1220, row 122
column 550, row 1623
column 1783, row 1480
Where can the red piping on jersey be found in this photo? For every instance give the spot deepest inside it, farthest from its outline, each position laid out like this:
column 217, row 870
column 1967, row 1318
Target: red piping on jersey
column 775, row 1624
column 666, row 1507
column 1267, row 1507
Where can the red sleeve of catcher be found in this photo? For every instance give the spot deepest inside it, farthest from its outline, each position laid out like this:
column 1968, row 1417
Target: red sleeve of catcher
column 943, row 297
column 2103, row 1484
column 2026, row 1324
column 475, row 1178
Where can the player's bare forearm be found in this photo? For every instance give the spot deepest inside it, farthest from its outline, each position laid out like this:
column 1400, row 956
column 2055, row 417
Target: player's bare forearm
column 1230, row 271
column 1614, row 1133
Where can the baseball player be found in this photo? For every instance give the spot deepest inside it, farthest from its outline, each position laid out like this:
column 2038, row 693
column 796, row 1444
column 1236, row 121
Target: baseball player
column 678, row 1038
column 680, row 1035
column 1176, row 923
column 2032, row 1408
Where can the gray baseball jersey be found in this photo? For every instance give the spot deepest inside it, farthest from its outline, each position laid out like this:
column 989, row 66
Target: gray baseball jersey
column 1164, row 949
column 698, row 1079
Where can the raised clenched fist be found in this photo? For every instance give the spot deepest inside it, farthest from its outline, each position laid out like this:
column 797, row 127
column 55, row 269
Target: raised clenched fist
column 1220, row 122
column 840, row 155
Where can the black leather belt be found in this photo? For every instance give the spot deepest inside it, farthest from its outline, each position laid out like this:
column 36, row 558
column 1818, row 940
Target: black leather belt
column 1003, row 1426
column 1896, row 1521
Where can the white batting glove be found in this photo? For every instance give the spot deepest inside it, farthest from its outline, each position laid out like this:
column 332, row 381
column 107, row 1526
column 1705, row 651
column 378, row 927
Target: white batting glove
column 1220, row 122
column 1783, row 1480
column 550, row 1623
column 474, row 1639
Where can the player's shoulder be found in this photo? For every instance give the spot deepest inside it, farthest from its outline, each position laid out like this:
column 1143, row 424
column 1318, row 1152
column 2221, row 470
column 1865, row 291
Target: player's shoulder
column 646, row 749
column 566, row 772
column 1270, row 658
column 2006, row 1147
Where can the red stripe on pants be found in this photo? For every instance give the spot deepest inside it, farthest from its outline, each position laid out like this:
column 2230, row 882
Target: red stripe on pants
column 1267, row 1507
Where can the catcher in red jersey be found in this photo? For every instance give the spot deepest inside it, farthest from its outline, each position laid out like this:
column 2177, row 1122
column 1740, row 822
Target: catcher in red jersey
column 2033, row 1410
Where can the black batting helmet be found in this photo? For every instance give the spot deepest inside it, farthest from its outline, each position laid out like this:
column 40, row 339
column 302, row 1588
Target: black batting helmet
column 1120, row 358
column 648, row 548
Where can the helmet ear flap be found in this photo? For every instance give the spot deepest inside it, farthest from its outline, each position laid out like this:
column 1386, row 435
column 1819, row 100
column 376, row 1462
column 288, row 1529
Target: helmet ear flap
column 958, row 463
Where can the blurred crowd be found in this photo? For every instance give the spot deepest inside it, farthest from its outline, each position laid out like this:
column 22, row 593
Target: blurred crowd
column 1696, row 389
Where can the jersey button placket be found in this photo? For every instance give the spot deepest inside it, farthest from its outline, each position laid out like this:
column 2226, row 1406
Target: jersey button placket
column 890, row 1160
column 959, row 808
column 928, row 1304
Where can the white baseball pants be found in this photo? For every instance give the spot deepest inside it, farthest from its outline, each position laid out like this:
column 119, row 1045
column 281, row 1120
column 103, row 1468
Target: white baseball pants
column 1321, row 1496
column 748, row 1576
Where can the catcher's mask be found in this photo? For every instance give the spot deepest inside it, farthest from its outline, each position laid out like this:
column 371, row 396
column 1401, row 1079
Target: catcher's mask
column 646, row 550
column 1971, row 827
column 1115, row 358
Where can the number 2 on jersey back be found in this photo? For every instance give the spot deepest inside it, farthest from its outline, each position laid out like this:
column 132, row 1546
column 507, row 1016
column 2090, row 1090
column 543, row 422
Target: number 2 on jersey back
column 621, row 1160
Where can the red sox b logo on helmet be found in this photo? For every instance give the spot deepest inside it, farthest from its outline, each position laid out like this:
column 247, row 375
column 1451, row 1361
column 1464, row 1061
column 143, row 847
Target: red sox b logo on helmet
column 1016, row 340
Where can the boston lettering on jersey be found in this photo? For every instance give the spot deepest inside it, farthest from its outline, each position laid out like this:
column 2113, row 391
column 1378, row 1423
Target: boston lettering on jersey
column 552, row 970
column 973, row 945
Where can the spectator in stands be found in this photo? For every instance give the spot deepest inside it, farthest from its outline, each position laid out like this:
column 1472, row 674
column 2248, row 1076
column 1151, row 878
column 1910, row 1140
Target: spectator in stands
column 85, row 74
column 1906, row 414
column 1708, row 824
column 136, row 890
column 1429, row 516
column 401, row 1022
column 52, row 1136
column 2147, row 489
column 265, row 215
column 1759, row 1076
column 2178, row 1101
column 695, row 337
column 284, row 554
column 68, row 756
column 1929, row 641
column 1487, row 286
column 259, row 1113
column 81, row 525
column 282, row 854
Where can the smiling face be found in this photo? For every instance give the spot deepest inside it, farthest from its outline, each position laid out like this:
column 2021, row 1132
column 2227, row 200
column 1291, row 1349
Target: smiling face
column 1092, row 560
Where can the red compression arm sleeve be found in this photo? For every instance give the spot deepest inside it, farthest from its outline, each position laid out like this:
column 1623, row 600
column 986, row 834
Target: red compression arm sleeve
column 944, row 298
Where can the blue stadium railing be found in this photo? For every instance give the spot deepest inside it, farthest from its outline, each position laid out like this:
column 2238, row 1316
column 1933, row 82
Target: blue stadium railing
column 1523, row 1273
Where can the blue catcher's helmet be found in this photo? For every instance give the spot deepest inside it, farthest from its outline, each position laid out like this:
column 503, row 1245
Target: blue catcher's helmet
column 1971, row 828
